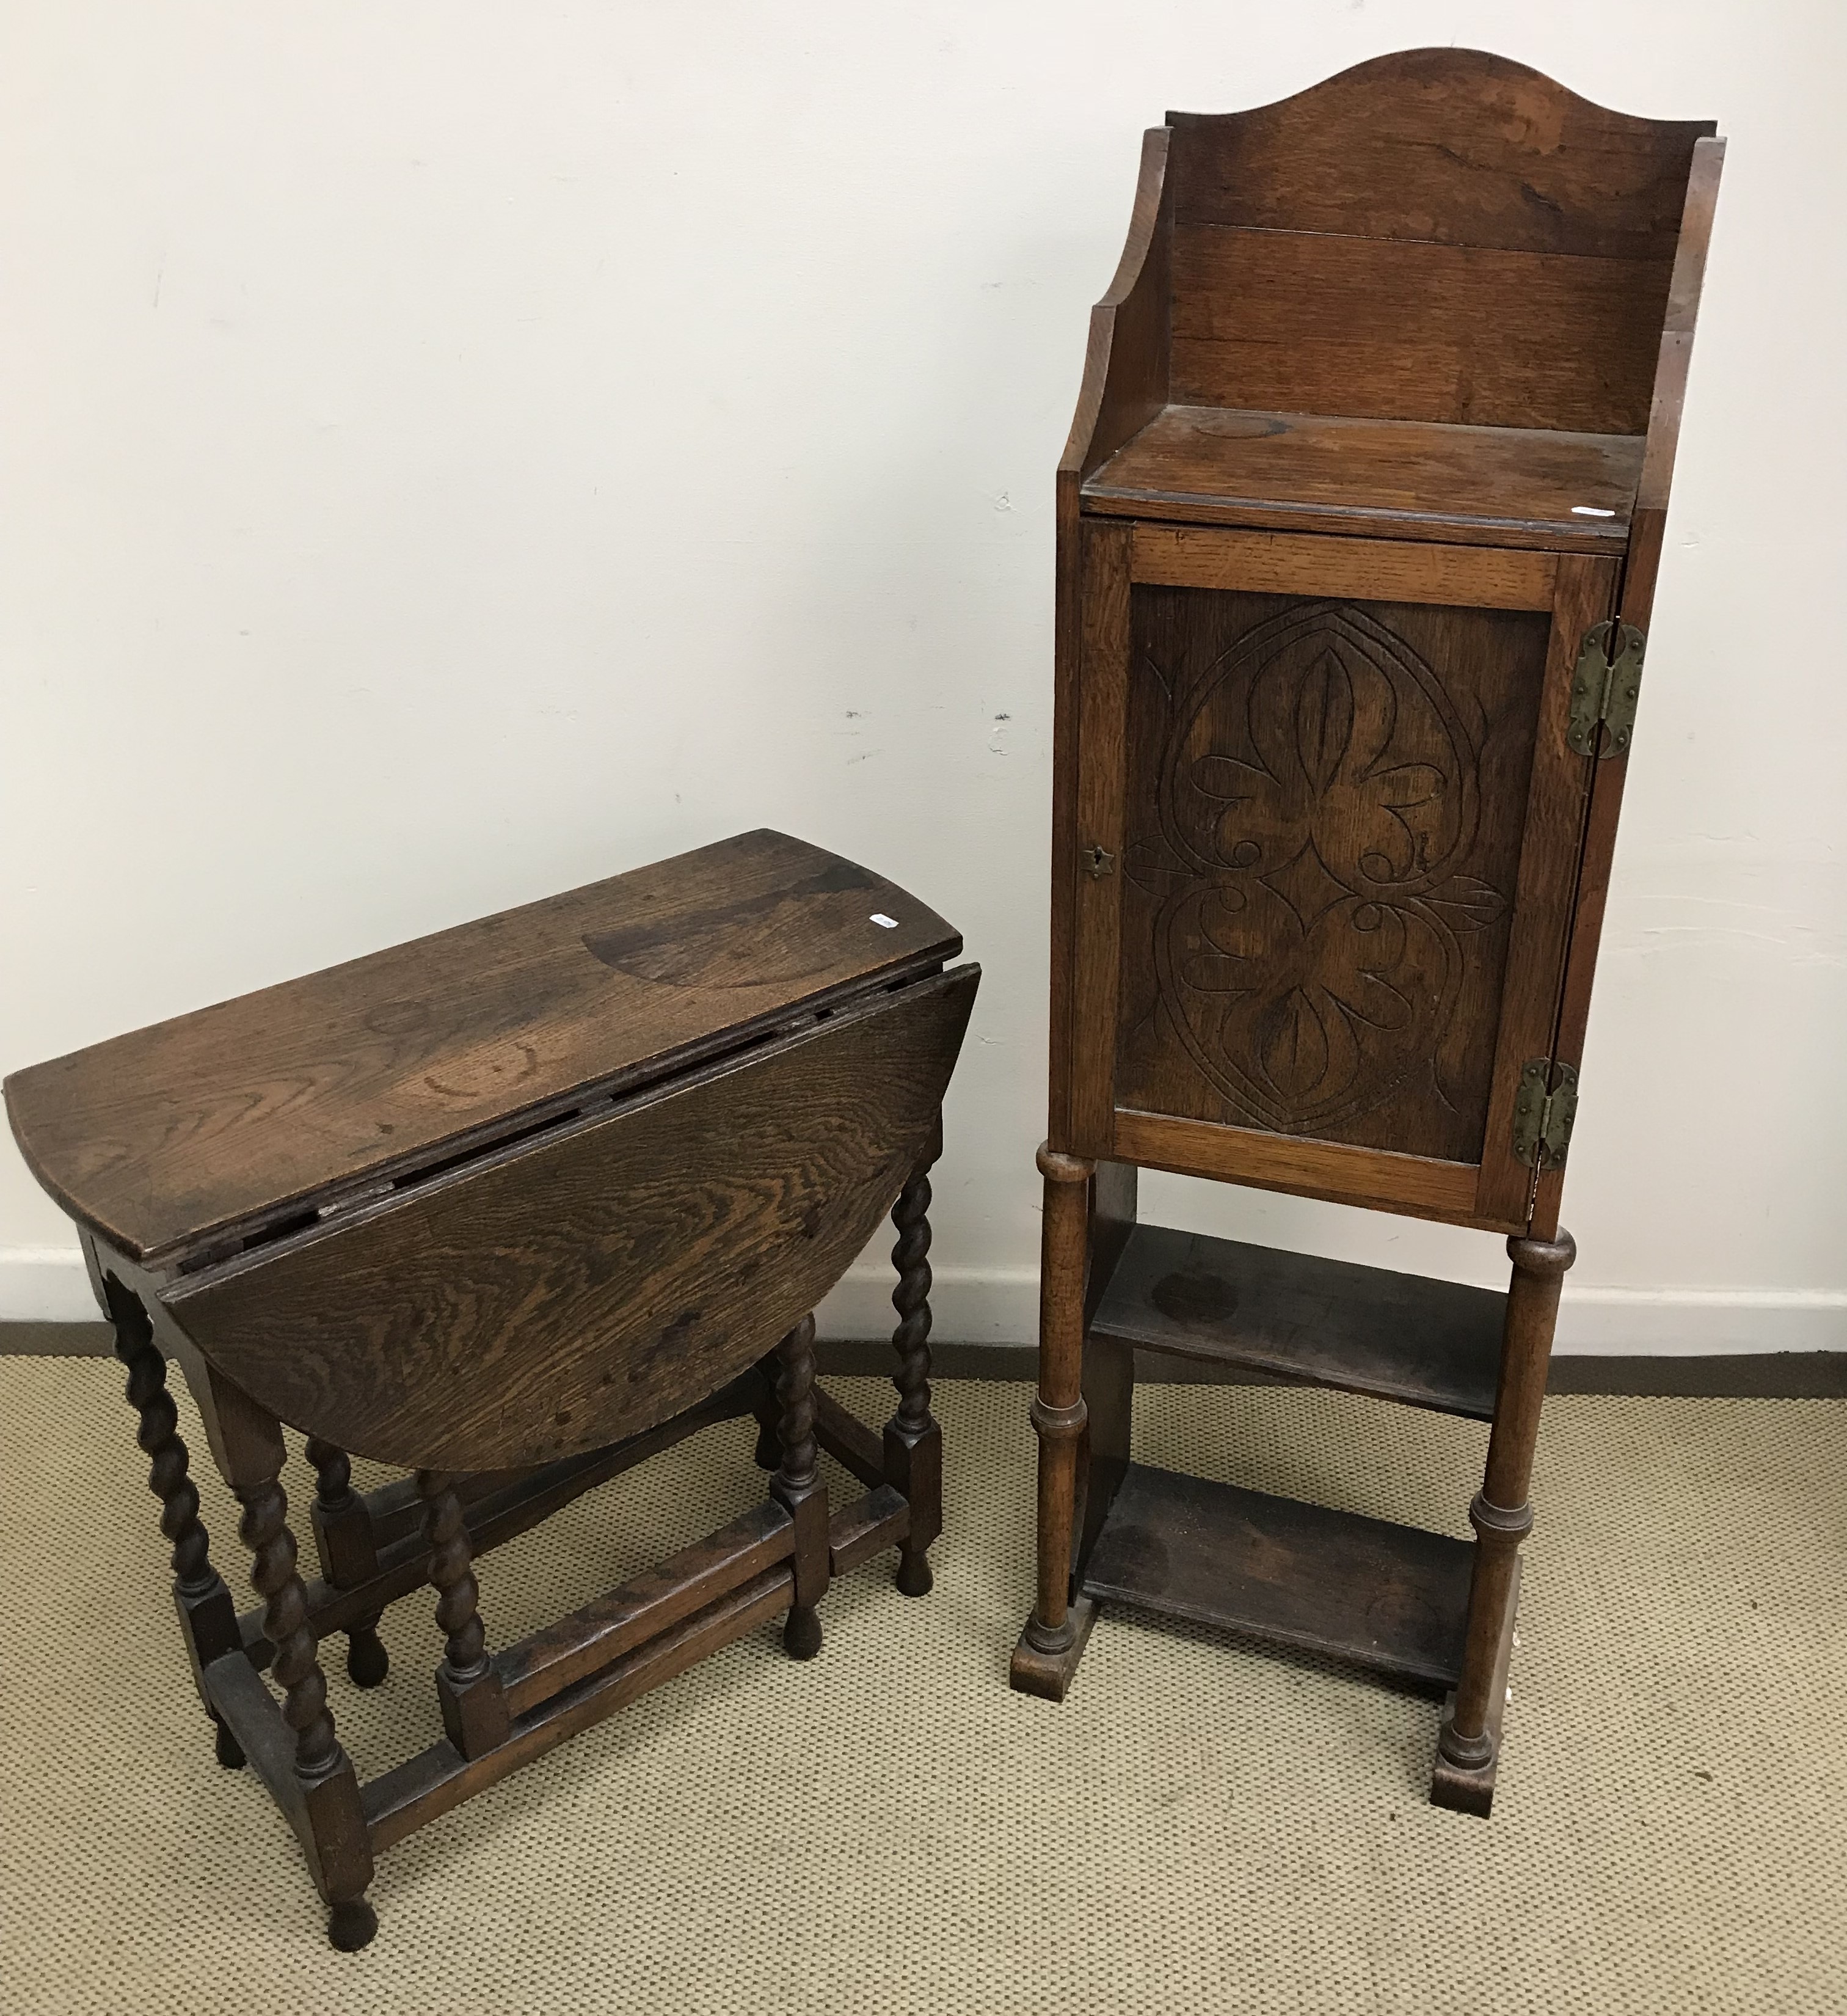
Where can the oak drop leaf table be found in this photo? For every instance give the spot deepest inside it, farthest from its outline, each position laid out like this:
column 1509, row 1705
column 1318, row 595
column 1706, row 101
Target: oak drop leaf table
column 1358, row 530
column 513, row 1208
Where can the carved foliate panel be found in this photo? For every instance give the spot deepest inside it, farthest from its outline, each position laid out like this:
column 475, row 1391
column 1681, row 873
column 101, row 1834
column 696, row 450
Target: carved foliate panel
column 1325, row 802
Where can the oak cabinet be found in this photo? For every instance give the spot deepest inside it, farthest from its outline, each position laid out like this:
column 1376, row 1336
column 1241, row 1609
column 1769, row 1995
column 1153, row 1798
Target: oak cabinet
column 1358, row 530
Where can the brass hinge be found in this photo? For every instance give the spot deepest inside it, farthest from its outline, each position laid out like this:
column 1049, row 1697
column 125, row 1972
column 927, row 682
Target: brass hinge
column 1544, row 1108
column 1098, row 860
column 1604, row 689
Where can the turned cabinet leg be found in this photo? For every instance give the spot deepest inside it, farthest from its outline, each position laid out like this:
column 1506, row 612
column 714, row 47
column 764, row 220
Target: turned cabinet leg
column 349, row 1554
column 1468, row 1745
column 1050, row 1646
column 475, row 1712
column 913, row 1440
column 208, row 1616
column 250, row 1446
column 797, row 1486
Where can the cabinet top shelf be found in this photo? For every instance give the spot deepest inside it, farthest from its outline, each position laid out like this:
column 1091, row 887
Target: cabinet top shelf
column 1408, row 479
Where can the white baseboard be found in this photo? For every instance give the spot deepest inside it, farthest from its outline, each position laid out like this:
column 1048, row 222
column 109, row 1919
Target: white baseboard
column 45, row 1285
column 1001, row 1305
column 1699, row 1322
column 967, row 1304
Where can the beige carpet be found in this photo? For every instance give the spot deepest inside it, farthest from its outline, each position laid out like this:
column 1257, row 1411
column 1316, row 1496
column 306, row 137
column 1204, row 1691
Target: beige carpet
column 889, row 1830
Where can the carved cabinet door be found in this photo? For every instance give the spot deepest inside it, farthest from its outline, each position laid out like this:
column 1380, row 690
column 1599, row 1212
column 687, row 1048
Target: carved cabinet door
column 1328, row 828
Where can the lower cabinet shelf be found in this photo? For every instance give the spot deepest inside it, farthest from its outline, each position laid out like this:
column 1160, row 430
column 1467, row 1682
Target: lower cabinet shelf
column 1392, row 1598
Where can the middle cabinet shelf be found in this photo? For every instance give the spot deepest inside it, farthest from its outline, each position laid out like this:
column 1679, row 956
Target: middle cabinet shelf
column 1323, row 1323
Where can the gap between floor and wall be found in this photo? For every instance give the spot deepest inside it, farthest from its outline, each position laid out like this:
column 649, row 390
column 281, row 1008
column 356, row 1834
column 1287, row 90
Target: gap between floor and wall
column 1739, row 1342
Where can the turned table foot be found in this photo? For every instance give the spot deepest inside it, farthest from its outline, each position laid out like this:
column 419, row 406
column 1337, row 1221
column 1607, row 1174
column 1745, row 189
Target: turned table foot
column 351, row 1924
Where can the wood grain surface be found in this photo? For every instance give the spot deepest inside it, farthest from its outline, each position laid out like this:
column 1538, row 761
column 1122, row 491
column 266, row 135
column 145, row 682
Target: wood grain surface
column 1412, row 478
column 205, row 1128
column 1549, row 885
column 1372, row 570
column 1388, row 1597
column 565, row 1291
column 1325, row 805
column 1404, row 329
column 1363, row 1330
column 1417, row 1186
column 1453, row 145
column 1085, row 1126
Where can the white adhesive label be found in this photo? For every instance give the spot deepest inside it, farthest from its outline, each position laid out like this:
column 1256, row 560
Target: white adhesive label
column 879, row 917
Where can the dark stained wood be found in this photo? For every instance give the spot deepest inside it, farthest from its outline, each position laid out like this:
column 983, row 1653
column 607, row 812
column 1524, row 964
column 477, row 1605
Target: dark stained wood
column 1365, row 570
column 798, row 1489
column 348, row 1548
column 467, row 1685
column 766, row 1454
column 1107, row 1384
column 317, row 1788
column 681, row 1233
column 498, row 1508
column 847, row 1439
column 1328, row 876
column 1114, row 1201
column 1465, row 1791
column 1505, row 487
column 439, row 1779
column 1415, row 1186
column 395, row 1510
column 1124, row 373
column 1213, row 683
column 546, row 1662
column 1400, row 1337
column 1325, row 814
column 211, row 1126
column 865, row 1527
column 326, row 1815
column 615, row 1272
column 1389, row 1598
column 1125, row 384
column 1107, row 551
column 249, row 1712
column 1549, row 884
column 1058, row 1409
column 343, row 1536
column 208, row 1616
column 1676, row 335
column 1305, row 323
column 912, row 1446
column 1108, row 1394
column 263, row 1529
column 1500, row 1515
column 1048, row 1674
column 1453, row 145
column 1741, row 1375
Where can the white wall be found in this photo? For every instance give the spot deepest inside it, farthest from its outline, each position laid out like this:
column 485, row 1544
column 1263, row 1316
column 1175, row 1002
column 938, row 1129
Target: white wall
column 454, row 452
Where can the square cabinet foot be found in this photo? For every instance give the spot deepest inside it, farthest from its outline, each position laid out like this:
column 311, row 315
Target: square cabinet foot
column 1473, row 1791
column 1049, row 1674
column 1463, row 1792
